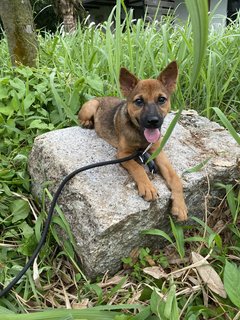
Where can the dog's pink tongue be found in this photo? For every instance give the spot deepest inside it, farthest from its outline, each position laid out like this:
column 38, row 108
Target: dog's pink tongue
column 152, row 135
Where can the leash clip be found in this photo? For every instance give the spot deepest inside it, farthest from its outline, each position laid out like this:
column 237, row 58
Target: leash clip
column 144, row 158
column 148, row 147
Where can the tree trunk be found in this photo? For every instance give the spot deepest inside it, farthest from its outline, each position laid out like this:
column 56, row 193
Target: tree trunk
column 69, row 10
column 17, row 18
column 69, row 19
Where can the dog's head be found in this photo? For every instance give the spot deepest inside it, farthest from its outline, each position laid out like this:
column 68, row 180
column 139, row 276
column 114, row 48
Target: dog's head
column 148, row 101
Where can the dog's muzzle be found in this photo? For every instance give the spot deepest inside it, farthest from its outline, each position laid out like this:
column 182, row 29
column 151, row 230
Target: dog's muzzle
column 151, row 124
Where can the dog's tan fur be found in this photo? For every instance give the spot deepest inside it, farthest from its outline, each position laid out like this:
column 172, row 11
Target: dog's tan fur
column 119, row 123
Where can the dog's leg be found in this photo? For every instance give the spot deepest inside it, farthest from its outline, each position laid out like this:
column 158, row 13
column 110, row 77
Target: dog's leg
column 87, row 112
column 145, row 187
column 179, row 208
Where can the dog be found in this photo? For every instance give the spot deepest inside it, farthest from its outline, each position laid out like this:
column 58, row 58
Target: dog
column 134, row 123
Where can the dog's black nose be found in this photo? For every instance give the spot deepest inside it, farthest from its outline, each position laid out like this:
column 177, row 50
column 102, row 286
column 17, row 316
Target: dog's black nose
column 153, row 121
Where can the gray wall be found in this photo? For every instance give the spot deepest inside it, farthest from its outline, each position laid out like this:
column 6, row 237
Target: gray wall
column 218, row 7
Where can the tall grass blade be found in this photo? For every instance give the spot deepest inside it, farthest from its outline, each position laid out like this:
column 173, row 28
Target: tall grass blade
column 95, row 313
column 157, row 232
column 143, row 314
column 227, row 124
column 167, row 135
column 198, row 167
column 179, row 237
column 59, row 103
column 198, row 11
column 63, row 314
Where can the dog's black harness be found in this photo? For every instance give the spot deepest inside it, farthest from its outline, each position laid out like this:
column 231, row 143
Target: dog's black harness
column 144, row 159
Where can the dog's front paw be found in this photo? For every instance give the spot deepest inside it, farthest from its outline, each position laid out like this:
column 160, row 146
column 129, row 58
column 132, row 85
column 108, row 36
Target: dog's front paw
column 147, row 191
column 88, row 124
column 179, row 210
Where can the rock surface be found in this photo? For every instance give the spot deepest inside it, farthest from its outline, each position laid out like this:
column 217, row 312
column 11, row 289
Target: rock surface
column 102, row 205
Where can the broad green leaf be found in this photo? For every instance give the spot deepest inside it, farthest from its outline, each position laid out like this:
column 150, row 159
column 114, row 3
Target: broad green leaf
column 28, row 101
column 3, row 93
column 20, row 210
column 7, row 111
column 18, row 84
column 28, row 245
column 171, row 308
column 232, row 282
column 27, row 72
column 38, row 124
column 26, row 229
column 157, row 305
column 95, row 83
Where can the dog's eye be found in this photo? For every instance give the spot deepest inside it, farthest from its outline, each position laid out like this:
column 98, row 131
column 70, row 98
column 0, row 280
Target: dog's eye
column 162, row 100
column 139, row 102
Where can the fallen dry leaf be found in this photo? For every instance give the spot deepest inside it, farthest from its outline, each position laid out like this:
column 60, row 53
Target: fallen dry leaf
column 178, row 261
column 209, row 275
column 112, row 281
column 81, row 305
column 158, row 272
column 36, row 276
column 155, row 272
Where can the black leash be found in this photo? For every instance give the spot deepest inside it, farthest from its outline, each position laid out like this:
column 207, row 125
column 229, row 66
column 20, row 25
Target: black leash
column 142, row 156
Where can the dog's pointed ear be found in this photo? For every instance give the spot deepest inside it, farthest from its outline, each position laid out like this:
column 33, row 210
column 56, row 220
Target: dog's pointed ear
column 127, row 81
column 169, row 76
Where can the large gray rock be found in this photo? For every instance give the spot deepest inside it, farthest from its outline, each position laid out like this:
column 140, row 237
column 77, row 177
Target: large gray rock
column 102, row 205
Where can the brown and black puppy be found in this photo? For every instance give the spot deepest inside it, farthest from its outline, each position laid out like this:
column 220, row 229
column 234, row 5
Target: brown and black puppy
column 134, row 123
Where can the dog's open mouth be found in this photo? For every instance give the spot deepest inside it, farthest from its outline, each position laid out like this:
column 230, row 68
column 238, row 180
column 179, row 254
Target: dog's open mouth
column 152, row 135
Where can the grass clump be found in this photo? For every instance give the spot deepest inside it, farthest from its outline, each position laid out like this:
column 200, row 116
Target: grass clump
column 71, row 69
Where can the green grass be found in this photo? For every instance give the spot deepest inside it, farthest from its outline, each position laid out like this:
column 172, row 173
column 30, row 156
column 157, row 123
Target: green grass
column 72, row 69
